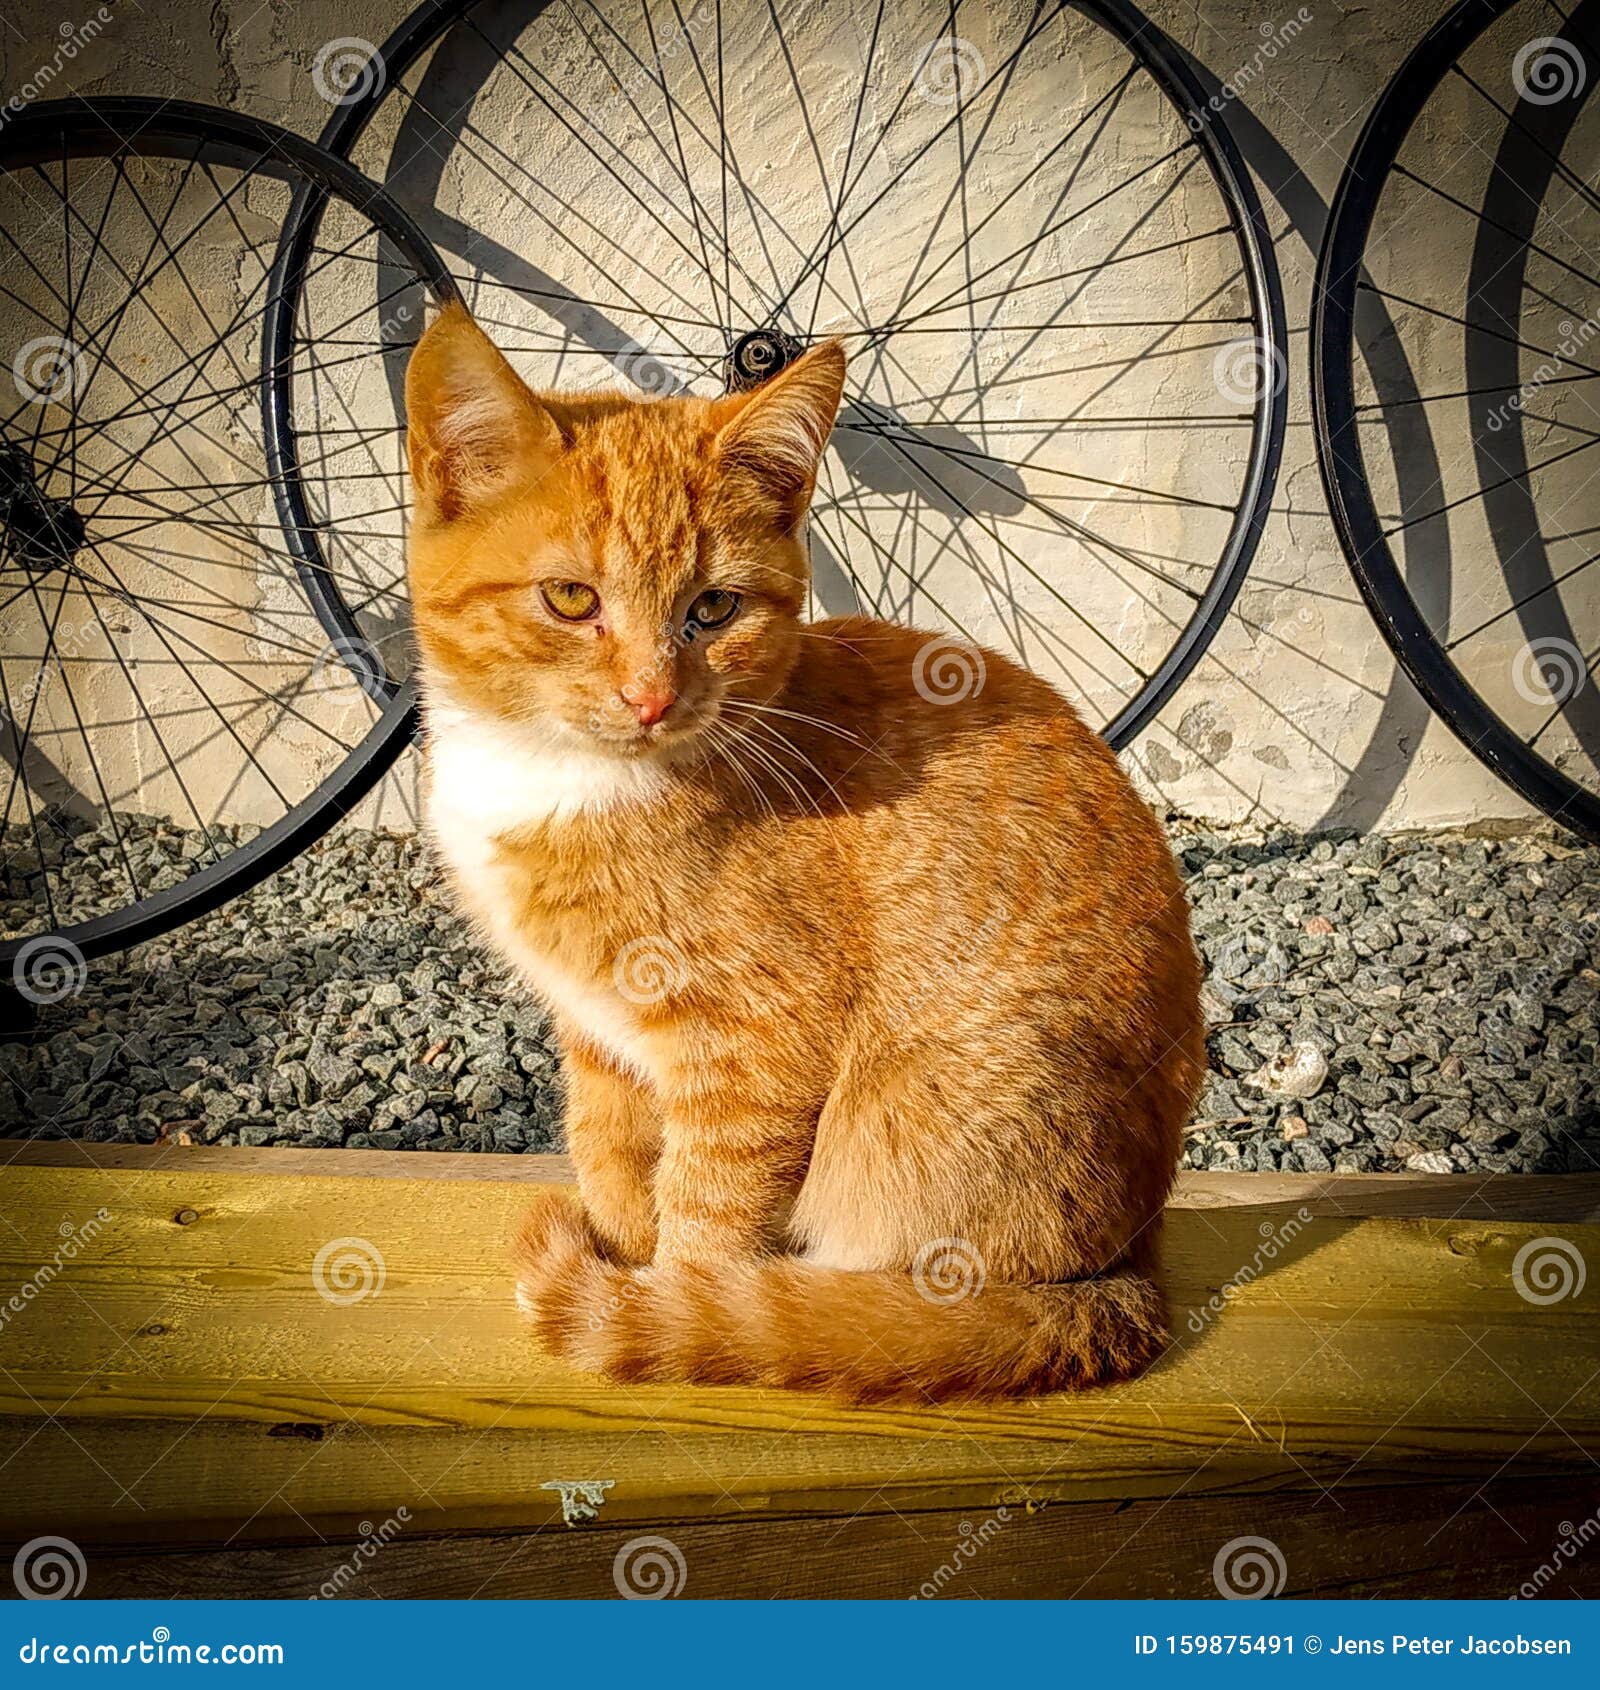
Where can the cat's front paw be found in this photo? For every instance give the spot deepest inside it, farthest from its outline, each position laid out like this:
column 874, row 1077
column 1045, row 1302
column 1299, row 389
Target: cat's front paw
column 554, row 1223
column 566, row 1287
column 554, row 1238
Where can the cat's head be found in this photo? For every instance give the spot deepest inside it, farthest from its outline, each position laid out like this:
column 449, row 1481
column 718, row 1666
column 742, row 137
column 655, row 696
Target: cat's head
column 607, row 569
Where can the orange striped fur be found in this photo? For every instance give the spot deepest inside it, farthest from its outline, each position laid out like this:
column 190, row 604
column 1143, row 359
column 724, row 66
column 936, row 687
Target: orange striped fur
column 877, row 1000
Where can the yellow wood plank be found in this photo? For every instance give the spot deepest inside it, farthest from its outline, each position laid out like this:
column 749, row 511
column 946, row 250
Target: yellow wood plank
column 189, row 1360
column 526, row 1168
column 1533, row 1197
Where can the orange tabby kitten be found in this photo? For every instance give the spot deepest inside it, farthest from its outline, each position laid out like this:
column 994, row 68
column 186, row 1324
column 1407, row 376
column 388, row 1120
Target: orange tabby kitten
column 878, row 1013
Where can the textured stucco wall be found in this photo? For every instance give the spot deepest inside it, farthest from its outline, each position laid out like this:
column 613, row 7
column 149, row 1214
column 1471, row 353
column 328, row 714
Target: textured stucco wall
column 1299, row 712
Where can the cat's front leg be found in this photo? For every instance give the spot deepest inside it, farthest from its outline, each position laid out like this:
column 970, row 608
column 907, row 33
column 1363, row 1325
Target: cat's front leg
column 729, row 1169
column 613, row 1128
column 724, row 1181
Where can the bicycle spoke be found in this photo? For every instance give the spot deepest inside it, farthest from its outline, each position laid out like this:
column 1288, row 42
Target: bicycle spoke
column 1507, row 419
column 161, row 656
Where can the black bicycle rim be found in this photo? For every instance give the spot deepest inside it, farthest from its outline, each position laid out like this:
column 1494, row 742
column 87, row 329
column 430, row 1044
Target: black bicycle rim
column 453, row 21
column 1362, row 533
column 204, row 142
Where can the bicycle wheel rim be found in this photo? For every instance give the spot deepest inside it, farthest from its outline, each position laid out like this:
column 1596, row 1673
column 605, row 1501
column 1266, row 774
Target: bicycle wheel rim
column 1378, row 573
column 433, row 23
column 145, row 129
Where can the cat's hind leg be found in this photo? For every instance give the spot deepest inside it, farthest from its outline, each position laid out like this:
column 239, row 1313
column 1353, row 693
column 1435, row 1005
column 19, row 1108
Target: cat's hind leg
column 933, row 1162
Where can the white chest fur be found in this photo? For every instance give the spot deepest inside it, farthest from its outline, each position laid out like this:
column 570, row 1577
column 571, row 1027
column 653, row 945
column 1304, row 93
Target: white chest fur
column 491, row 778
column 489, row 781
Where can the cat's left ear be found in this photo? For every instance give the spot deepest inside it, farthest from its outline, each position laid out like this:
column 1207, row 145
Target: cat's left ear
column 778, row 432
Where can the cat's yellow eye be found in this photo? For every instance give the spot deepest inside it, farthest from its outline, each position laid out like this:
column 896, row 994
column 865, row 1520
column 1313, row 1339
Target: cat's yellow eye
column 572, row 601
column 713, row 608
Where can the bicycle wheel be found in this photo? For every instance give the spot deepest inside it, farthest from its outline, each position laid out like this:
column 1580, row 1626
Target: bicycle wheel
column 1066, row 401
column 1488, row 138
column 176, row 723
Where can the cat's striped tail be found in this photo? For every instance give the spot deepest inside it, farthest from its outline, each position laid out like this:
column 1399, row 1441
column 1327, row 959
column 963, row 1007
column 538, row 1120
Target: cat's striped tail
column 785, row 1321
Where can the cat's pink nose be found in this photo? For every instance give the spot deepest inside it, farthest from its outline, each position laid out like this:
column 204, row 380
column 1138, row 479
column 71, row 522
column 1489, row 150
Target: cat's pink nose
column 650, row 701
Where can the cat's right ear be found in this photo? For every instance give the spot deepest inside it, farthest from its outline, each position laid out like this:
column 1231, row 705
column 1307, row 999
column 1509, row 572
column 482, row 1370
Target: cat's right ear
column 473, row 429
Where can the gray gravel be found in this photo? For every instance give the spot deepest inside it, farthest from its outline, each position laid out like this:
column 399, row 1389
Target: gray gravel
column 339, row 1003
column 1447, row 984
column 1428, row 1003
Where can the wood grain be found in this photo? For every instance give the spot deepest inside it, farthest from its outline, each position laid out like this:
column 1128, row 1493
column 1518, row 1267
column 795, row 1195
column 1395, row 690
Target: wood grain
column 282, row 1160
column 183, row 1380
column 1534, row 1197
column 1453, row 1540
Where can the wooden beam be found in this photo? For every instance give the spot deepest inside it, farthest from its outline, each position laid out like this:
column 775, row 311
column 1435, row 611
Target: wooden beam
column 183, row 1380
column 287, row 1161
column 1450, row 1540
column 1534, row 1197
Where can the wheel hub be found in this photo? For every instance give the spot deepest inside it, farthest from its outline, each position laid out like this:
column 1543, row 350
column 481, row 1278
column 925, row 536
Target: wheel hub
column 38, row 532
column 757, row 357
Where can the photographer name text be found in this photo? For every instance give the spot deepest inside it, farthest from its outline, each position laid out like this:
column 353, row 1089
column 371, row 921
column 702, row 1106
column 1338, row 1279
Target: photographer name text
column 1247, row 1643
